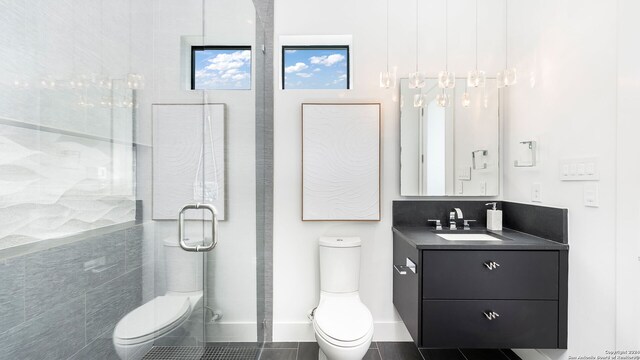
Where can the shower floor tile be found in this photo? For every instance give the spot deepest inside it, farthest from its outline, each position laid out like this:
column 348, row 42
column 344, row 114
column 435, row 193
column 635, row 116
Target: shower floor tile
column 200, row 353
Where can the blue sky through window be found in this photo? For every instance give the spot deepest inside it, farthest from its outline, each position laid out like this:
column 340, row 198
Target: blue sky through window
column 222, row 69
column 315, row 68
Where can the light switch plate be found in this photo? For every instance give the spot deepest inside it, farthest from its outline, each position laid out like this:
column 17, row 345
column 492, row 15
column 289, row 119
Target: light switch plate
column 583, row 169
column 536, row 192
column 591, row 195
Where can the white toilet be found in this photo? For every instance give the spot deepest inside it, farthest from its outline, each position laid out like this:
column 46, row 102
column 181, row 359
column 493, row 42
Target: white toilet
column 135, row 333
column 343, row 325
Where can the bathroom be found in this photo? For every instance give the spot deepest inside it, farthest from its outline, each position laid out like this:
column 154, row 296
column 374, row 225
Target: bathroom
column 112, row 130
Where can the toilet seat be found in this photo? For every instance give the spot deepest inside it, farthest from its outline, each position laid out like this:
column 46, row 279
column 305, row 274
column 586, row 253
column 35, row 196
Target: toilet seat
column 343, row 321
column 152, row 320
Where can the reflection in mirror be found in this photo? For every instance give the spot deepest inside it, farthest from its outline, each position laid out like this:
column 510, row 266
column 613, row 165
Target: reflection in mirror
column 451, row 150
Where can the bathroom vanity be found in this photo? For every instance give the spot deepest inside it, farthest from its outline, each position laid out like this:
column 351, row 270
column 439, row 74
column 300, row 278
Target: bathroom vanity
column 492, row 289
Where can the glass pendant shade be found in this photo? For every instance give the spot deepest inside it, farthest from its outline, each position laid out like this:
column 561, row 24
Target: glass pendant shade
column 387, row 79
column 443, row 99
column 446, row 80
column 416, row 80
column 510, row 76
column 507, row 77
column 476, row 78
column 466, row 99
column 418, row 100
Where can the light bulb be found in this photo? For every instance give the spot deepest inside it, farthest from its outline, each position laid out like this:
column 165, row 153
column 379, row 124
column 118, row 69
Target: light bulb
column 418, row 100
column 442, row 99
column 476, row 78
column 387, row 79
column 466, row 99
column 416, row 80
column 446, row 80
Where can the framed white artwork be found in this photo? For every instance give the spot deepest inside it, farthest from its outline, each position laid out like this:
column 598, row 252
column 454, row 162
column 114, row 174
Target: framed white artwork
column 341, row 162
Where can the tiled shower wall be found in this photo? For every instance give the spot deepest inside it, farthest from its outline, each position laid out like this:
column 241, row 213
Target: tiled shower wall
column 64, row 302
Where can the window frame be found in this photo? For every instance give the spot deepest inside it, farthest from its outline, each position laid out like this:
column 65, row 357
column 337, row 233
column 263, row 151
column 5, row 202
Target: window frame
column 195, row 48
column 315, row 47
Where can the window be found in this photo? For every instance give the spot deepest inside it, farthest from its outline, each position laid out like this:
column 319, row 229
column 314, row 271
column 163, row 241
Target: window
column 315, row 67
column 220, row 68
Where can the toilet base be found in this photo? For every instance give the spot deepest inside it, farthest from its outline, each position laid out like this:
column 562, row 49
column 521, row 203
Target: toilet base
column 321, row 355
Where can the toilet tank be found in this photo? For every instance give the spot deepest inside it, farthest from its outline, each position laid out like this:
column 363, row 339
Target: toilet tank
column 183, row 269
column 339, row 264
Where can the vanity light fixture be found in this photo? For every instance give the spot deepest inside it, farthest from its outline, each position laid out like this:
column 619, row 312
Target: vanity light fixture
column 476, row 78
column 508, row 76
column 388, row 78
column 416, row 79
column 446, row 78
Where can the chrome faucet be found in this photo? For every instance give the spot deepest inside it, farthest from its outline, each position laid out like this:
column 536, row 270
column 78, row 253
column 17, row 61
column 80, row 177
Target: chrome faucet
column 454, row 215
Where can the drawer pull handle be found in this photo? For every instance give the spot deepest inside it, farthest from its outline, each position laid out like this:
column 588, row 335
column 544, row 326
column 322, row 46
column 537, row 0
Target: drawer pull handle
column 491, row 315
column 401, row 269
column 491, row 265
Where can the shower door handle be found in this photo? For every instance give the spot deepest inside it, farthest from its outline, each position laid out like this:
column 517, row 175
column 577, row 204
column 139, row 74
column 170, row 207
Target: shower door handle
column 214, row 228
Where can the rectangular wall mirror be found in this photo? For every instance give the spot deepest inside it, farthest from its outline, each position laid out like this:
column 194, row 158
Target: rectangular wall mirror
column 452, row 150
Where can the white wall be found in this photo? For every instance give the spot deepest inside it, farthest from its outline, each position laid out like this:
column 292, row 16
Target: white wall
column 295, row 259
column 571, row 111
column 628, row 173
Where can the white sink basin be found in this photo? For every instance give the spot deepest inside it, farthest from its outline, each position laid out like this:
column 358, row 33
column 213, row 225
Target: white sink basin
column 468, row 237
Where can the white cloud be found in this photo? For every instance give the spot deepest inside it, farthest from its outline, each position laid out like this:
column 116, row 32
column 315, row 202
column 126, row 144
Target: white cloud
column 340, row 79
column 327, row 60
column 225, row 71
column 305, row 75
column 224, row 62
column 295, row 68
column 317, row 70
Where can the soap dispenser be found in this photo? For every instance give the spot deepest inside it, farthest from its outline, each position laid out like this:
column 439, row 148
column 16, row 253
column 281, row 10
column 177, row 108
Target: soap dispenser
column 494, row 217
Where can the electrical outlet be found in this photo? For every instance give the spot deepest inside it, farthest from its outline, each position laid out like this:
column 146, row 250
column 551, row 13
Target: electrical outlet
column 536, row 192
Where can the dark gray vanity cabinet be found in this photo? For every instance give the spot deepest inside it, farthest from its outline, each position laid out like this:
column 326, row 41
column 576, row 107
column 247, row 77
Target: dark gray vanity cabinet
column 481, row 298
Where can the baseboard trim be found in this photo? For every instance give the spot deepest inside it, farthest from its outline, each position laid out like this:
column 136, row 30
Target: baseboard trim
column 303, row 331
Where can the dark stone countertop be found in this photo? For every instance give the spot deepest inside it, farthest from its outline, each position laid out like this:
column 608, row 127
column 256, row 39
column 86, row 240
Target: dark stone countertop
column 425, row 238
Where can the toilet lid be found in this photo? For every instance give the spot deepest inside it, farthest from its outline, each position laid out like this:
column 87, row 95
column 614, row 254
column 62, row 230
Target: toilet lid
column 343, row 320
column 152, row 317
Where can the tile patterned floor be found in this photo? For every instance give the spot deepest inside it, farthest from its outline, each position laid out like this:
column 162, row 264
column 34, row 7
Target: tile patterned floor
column 309, row 351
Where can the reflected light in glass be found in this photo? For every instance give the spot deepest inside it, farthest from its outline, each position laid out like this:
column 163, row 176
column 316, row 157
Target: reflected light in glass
column 466, row 99
column 443, row 99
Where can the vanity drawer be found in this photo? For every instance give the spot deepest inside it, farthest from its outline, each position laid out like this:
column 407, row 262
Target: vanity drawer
column 515, row 275
column 464, row 324
column 406, row 285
